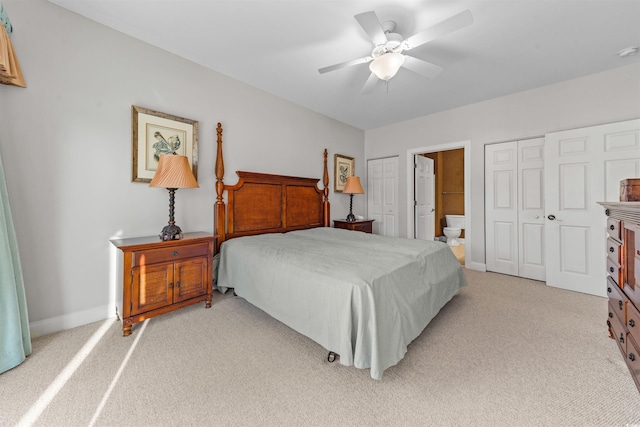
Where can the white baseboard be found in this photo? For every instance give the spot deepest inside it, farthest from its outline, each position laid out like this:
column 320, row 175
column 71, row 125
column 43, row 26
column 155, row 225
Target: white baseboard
column 476, row 266
column 71, row 320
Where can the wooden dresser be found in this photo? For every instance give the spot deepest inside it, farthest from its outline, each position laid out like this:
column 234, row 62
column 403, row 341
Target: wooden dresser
column 365, row 225
column 623, row 280
column 161, row 276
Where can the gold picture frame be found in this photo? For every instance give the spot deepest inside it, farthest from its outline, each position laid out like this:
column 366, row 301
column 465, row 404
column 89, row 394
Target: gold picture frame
column 343, row 168
column 155, row 133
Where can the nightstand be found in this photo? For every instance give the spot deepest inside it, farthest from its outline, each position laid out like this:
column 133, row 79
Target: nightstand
column 162, row 276
column 364, row 225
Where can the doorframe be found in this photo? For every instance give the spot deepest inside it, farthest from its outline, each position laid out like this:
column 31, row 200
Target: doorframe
column 467, row 189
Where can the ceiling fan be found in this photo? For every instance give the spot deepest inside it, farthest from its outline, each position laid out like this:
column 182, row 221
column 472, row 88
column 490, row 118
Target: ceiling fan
column 387, row 56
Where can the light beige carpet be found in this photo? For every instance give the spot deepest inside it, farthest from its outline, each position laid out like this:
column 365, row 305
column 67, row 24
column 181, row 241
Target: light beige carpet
column 504, row 352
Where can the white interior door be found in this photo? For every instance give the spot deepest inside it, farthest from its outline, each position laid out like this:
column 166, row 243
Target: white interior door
column 382, row 195
column 531, row 253
column 580, row 165
column 390, row 199
column 424, row 198
column 375, row 194
column 501, row 206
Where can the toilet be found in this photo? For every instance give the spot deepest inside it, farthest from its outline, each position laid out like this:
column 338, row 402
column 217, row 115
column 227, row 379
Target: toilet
column 455, row 225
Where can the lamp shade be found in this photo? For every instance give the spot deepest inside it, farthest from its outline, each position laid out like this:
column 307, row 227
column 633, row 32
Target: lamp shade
column 387, row 65
column 353, row 186
column 173, row 172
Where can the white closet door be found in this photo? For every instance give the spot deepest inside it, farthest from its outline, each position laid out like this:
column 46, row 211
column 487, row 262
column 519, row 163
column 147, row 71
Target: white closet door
column 531, row 253
column 583, row 167
column 382, row 195
column 514, row 203
column 501, row 206
column 375, row 194
column 390, row 199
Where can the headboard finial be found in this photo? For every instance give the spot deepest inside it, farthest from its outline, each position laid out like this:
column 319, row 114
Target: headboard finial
column 219, row 208
column 219, row 166
column 325, row 193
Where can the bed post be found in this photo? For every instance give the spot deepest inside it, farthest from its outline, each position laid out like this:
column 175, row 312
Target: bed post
column 326, row 216
column 219, row 207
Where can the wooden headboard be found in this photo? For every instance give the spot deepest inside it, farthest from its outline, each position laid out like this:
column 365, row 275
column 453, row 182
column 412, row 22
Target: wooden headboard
column 263, row 203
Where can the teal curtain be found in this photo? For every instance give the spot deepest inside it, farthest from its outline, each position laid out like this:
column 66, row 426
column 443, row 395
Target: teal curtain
column 15, row 339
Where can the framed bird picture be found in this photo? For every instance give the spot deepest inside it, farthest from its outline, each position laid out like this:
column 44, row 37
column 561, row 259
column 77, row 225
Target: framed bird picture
column 343, row 167
column 155, row 134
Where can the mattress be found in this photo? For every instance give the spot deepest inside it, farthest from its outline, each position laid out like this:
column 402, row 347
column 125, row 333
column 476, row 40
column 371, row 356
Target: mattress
column 362, row 296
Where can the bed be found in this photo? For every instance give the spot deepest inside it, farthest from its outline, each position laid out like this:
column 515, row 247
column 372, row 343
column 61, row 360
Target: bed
column 361, row 296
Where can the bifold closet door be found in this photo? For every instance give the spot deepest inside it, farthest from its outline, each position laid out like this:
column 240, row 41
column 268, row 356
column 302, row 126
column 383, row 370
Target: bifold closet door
column 514, row 208
column 501, row 207
column 531, row 249
column 382, row 195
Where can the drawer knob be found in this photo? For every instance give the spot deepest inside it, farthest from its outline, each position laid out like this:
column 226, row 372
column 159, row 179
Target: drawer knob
column 632, row 357
column 611, row 249
column 632, row 323
column 175, row 253
column 611, row 269
column 612, row 227
column 620, row 304
column 611, row 315
column 621, row 337
column 609, row 289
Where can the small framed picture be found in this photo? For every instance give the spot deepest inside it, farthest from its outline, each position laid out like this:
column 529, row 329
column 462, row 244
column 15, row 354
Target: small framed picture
column 155, row 134
column 343, row 168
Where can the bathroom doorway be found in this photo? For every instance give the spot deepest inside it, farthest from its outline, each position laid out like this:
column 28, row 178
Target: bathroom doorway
column 451, row 191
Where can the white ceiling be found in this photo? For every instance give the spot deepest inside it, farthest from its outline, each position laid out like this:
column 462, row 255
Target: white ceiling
column 278, row 46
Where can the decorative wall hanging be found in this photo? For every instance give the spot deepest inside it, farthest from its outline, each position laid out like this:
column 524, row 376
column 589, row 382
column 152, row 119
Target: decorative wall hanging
column 4, row 20
column 343, row 169
column 154, row 134
column 10, row 72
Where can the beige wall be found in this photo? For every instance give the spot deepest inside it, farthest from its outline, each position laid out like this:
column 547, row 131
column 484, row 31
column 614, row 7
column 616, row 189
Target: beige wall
column 65, row 143
column 606, row 97
column 449, row 185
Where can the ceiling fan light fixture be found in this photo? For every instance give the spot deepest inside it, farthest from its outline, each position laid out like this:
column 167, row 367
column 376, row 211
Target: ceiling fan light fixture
column 386, row 66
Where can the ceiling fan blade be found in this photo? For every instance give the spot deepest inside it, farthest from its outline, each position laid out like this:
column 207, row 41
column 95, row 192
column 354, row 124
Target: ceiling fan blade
column 424, row 68
column 447, row 26
column 370, row 84
column 371, row 25
column 345, row 64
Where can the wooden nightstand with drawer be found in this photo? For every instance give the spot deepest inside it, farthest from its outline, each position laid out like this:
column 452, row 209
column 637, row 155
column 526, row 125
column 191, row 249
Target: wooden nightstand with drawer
column 364, row 225
column 162, row 276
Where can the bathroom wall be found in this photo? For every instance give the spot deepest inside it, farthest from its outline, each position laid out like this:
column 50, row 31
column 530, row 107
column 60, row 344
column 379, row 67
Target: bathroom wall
column 449, row 191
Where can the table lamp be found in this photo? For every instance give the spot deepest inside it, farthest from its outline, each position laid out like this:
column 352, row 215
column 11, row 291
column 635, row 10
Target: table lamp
column 173, row 172
column 352, row 187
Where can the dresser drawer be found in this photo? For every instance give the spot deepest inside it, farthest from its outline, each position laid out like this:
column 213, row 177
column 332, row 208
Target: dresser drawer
column 614, row 271
column 617, row 301
column 613, row 251
column 633, row 359
column 613, row 228
column 617, row 332
column 175, row 253
column 633, row 322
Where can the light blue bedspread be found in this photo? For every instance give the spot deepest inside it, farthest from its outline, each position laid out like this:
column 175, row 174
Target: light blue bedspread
column 362, row 296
